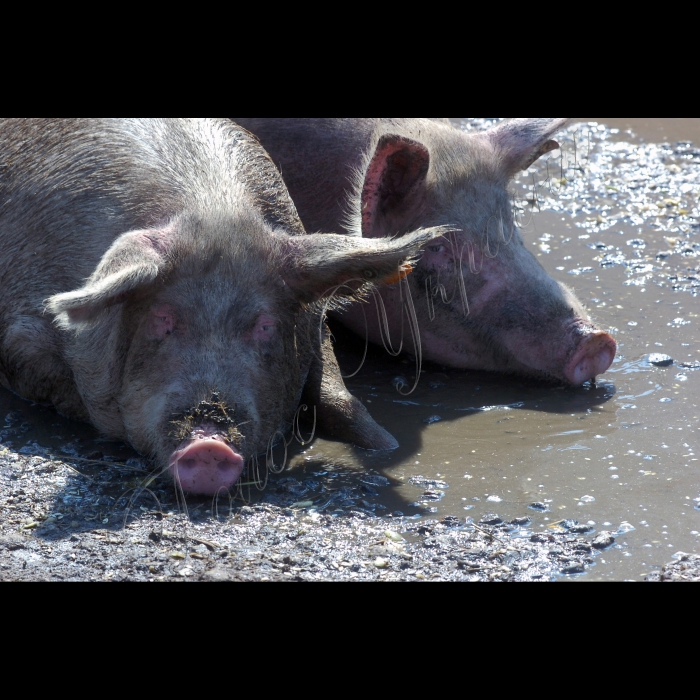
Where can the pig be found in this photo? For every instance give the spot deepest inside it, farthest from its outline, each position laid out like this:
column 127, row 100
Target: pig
column 482, row 301
column 158, row 283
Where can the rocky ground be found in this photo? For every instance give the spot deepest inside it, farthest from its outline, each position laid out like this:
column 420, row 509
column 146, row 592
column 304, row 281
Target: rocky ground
column 685, row 567
column 73, row 519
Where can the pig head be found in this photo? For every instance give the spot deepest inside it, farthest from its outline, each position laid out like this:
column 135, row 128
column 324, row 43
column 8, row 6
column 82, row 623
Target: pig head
column 482, row 300
column 193, row 341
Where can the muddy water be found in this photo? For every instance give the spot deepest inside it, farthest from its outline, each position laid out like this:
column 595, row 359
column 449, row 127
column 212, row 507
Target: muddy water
column 615, row 216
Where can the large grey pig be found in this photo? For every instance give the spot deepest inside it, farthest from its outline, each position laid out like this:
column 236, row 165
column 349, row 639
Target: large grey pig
column 482, row 300
column 156, row 281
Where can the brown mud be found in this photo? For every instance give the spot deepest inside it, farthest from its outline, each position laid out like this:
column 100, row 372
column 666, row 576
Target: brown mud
column 496, row 478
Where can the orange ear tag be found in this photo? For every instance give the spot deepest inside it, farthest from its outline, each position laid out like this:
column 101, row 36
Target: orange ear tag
column 404, row 271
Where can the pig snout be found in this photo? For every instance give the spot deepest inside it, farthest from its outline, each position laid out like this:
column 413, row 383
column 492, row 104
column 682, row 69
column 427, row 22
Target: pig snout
column 205, row 464
column 593, row 356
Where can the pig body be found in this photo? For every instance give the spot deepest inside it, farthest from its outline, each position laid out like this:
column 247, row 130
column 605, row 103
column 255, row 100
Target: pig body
column 157, row 282
column 481, row 299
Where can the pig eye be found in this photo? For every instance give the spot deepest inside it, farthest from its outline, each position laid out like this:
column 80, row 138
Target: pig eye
column 265, row 328
column 436, row 248
column 162, row 321
column 370, row 274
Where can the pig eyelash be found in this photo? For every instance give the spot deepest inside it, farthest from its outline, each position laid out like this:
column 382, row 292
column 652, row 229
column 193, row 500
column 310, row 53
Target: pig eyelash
column 138, row 491
column 472, row 263
column 432, row 289
column 412, row 318
column 253, row 466
column 215, row 504
column 500, row 237
column 410, row 313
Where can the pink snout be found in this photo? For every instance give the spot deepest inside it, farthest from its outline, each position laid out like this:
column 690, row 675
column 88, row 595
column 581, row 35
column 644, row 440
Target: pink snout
column 594, row 356
column 206, row 466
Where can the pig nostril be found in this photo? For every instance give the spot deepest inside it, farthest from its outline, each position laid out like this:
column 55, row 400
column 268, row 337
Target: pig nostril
column 227, row 465
column 188, row 463
column 594, row 357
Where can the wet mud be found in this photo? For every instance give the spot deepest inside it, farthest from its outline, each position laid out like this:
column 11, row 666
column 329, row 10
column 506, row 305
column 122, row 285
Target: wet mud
column 63, row 522
column 496, row 478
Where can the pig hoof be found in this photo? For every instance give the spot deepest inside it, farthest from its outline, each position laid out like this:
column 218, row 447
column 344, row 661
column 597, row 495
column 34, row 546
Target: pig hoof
column 206, row 467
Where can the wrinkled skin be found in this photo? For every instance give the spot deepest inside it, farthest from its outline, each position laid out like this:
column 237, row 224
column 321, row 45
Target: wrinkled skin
column 482, row 300
column 157, row 282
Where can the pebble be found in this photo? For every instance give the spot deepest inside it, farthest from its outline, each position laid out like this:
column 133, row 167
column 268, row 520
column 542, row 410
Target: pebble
column 659, row 360
column 580, row 530
column 603, row 540
column 576, row 568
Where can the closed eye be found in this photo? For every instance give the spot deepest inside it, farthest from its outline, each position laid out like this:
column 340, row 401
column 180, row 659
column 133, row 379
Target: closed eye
column 264, row 328
column 162, row 321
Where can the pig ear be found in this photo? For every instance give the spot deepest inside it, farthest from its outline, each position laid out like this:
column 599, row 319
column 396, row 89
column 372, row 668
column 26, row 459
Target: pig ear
column 324, row 264
column 522, row 141
column 394, row 185
column 340, row 414
column 134, row 261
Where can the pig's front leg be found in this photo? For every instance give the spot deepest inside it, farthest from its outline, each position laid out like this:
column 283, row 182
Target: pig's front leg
column 35, row 369
column 338, row 412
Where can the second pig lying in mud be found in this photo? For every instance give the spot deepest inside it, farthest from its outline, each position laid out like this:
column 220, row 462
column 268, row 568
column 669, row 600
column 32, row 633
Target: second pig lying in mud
column 158, row 283
column 482, row 301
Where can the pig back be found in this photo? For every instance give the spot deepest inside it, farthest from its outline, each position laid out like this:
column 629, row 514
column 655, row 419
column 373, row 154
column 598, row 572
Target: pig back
column 321, row 158
column 70, row 187
column 317, row 158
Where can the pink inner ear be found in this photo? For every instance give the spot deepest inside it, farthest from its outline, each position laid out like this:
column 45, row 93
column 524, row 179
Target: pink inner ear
column 397, row 166
column 162, row 321
column 265, row 328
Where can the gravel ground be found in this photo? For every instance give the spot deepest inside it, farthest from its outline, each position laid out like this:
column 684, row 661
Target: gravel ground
column 71, row 520
column 686, row 567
